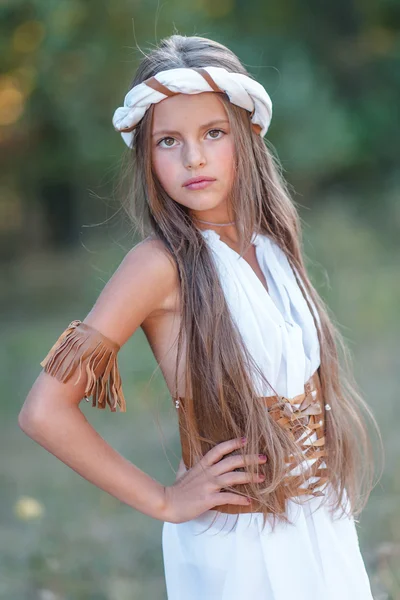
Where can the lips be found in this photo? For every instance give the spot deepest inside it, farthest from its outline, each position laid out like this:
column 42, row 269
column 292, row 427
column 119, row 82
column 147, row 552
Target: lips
column 198, row 180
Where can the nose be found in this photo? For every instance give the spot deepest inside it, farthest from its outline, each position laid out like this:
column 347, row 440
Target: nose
column 193, row 156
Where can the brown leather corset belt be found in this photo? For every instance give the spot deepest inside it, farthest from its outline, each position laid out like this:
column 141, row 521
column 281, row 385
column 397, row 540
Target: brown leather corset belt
column 302, row 417
column 83, row 350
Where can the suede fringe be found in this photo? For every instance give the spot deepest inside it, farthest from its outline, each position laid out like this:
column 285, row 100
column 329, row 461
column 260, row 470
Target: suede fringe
column 83, row 346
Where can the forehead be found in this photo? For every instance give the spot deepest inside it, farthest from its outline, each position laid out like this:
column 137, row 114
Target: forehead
column 183, row 109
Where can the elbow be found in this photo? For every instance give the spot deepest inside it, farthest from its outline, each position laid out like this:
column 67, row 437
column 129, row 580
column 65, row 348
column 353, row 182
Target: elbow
column 27, row 421
column 32, row 417
column 37, row 419
column 45, row 406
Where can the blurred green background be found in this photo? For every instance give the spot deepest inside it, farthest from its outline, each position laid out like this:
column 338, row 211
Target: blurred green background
column 333, row 74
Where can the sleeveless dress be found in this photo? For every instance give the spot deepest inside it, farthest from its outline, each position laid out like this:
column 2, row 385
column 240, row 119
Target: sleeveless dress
column 317, row 557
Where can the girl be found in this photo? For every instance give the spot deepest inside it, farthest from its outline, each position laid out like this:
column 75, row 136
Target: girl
column 276, row 460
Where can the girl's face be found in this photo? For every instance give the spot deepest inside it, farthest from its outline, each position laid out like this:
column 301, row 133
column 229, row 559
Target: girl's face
column 191, row 137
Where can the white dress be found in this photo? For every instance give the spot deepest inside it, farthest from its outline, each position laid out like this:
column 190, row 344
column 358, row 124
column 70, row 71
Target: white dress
column 315, row 558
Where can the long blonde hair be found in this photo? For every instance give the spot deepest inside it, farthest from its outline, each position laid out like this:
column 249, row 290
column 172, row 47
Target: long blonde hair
column 218, row 366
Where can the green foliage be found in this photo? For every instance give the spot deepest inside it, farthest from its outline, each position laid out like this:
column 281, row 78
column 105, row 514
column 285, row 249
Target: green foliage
column 330, row 71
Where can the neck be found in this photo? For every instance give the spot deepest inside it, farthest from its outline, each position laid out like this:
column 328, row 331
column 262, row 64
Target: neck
column 215, row 224
column 225, row 229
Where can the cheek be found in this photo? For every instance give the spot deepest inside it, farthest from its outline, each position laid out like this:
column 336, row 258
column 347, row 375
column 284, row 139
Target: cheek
column 165, row 168
column 225, row 156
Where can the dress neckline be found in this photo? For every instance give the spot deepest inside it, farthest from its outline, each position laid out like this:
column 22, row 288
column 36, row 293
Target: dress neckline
column 258, row 240
column 263, row 247
column 211, row 233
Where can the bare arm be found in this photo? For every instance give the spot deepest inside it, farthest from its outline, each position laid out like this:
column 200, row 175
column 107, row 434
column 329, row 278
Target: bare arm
column 51, row 415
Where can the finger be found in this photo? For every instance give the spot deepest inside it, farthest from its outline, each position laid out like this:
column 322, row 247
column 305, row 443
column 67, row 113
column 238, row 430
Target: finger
column 216, row 453
column 237, row 461
column 229, row 479
column 230, row 498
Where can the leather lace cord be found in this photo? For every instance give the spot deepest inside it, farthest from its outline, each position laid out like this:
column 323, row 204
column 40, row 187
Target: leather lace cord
column 301, row 417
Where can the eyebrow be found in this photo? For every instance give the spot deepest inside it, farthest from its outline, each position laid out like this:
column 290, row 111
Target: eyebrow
column 210, row 124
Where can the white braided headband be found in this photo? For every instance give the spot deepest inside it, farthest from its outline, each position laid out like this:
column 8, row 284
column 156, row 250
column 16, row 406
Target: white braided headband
column 240, row 89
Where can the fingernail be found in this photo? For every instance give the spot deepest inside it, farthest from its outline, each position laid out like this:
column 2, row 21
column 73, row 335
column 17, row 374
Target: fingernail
column 262, row 456
column 244, row 440
column 248, row 500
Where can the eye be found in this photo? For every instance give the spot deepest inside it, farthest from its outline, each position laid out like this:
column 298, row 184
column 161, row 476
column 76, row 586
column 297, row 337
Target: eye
column 163, row 140
column 171, row 138
column 214, row 130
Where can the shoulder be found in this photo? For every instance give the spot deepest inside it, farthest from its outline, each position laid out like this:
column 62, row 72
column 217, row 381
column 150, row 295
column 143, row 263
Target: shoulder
column 139, row 287
column 151, row 256
column 148, row 269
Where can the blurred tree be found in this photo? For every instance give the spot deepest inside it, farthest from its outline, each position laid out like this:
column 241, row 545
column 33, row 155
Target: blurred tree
column 329, row 68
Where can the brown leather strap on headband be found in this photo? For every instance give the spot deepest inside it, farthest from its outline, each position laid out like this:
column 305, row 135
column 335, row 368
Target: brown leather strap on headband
column 208, row 78
column 153, row 83
column 214, row 86
column 256, row 128
column 159, row 87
